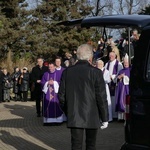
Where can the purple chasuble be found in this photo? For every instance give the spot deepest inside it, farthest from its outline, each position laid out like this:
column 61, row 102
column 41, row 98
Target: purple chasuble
column 51, row 107
column 121, row 91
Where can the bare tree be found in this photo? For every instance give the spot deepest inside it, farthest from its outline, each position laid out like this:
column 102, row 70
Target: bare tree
column 128, row 6
column 100, row 5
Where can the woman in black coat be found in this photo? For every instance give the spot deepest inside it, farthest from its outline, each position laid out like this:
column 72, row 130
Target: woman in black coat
column 16, row 87
column 24, row 83
column 6, row 85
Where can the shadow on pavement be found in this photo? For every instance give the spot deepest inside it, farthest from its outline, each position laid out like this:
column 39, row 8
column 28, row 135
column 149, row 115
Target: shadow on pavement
column 18, row 142
column 23, row 117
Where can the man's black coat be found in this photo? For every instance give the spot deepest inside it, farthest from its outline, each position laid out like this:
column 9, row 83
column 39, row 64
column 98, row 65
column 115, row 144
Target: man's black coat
column 82, row 93
column 37, row 74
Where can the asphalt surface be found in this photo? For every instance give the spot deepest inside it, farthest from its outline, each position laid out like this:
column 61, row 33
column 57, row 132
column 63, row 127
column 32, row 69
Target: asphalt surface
column 20, row 129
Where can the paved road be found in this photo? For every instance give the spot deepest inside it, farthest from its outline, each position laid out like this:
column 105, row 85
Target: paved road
column 20, row 129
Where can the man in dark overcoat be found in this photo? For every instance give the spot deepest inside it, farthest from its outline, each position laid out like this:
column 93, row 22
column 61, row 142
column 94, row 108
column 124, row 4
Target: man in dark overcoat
column 82, row 96
column 36, row 76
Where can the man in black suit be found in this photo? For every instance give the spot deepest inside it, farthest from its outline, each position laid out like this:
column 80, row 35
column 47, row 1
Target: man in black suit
column 82, row 96
column 36, row 76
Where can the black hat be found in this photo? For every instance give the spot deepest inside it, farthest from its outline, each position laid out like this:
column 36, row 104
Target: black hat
column 116, row 41
column 110, row 36
column 101, row 45
column 25, row 68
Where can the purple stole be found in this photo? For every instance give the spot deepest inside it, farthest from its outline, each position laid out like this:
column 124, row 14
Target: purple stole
column 103, row 70
column 112, row 85
column 115, row 69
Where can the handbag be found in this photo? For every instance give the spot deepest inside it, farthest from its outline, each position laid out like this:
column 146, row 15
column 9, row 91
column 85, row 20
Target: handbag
column 32, row 86
column 8, row 85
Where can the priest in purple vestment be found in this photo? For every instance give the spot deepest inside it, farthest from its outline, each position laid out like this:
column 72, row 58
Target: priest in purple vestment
column 122, row 88
column 52, row 112
column 113, row 66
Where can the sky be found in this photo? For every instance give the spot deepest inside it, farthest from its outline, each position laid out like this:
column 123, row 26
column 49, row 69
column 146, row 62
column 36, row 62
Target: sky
column 33, row 3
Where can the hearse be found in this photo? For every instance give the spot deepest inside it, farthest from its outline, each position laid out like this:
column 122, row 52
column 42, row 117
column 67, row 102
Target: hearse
column 137, row 123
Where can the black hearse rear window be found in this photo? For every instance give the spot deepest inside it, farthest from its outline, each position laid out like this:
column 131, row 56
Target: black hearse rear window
column 148, row 63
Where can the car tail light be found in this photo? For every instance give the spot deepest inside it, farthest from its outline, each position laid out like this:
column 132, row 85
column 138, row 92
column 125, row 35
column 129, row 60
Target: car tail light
column 127, row 107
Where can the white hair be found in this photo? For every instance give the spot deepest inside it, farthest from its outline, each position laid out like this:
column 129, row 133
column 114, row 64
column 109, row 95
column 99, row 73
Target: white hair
column 100, row 62
column 84, row 52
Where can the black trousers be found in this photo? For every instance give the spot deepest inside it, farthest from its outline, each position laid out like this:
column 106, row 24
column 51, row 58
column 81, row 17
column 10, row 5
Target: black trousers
column 38, row 98
column 77, row 138
column 25, row 95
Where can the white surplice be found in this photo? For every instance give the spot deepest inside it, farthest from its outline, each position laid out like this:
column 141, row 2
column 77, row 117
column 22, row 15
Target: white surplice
column 114, row 78
column 107, row 80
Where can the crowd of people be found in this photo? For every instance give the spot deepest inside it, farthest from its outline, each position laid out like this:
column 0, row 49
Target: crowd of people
column 110, row 56
column 17, row 82
column 85, row 88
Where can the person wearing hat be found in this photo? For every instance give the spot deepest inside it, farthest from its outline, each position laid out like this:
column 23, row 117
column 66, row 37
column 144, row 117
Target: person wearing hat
column 110, row 40
column 6, row 85
column 24, row 83
column 16, row 87
column 122, row 88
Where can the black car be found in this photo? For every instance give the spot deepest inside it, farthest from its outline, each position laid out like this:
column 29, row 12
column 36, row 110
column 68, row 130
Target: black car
column 137, row 124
